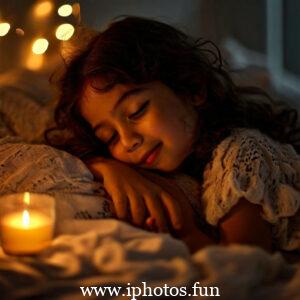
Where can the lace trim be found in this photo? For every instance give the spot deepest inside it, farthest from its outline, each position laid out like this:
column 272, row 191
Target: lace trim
column 251, row 165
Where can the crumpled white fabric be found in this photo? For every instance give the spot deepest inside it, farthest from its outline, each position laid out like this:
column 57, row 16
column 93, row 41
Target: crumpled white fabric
column 43, row 169
column 109, row 252
column 250, row 165
column 112, row 253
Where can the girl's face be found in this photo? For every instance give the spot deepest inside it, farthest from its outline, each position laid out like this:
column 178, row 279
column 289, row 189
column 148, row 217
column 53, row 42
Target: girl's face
column 146, row 125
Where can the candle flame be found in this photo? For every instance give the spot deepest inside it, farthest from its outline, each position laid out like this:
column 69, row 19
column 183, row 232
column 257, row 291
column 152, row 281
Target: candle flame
column 25, row 218
column 26, row 198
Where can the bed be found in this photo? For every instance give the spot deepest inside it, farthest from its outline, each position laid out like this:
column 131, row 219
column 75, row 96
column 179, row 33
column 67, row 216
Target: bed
column 91, row 248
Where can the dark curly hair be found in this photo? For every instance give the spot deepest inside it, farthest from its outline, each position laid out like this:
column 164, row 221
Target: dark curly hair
column 137, row 50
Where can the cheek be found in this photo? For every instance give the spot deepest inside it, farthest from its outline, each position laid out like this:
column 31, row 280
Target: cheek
column 173, row 126
column 116, row 152
column 159, row 126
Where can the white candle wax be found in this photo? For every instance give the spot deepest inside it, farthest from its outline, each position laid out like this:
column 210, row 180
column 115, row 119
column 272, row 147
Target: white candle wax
column 26, row 232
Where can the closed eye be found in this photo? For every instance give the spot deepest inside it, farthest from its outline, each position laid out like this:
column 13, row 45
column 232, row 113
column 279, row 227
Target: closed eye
column 140, row 111
column 112, row 139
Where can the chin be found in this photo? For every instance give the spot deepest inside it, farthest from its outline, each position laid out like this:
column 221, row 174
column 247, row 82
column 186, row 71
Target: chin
column 168, row 168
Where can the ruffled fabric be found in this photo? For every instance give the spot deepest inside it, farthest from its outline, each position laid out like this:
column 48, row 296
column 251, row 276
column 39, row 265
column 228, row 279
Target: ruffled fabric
column 250, row 165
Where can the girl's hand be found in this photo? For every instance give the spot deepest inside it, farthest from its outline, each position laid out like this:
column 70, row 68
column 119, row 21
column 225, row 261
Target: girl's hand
column 189, row 224
column 189, row 233
column 132, row 193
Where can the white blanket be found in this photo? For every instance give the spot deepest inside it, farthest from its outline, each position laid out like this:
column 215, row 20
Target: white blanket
column 110, row 253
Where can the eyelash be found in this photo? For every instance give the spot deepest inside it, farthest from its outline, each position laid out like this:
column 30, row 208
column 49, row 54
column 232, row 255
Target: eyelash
column 139, row 111
column 111, row 139
column 134, row 116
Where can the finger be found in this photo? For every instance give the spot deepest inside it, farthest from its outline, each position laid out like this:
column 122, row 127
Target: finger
column 138, row 209
column 121, row 205
column 151, row 225
column 157, row 212
column 173, row 209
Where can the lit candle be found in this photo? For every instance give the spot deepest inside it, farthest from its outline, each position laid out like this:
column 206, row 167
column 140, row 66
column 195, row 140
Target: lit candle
column 26, row 231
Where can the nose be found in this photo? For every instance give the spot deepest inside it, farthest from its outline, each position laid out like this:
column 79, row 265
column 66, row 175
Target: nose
column 130, row 140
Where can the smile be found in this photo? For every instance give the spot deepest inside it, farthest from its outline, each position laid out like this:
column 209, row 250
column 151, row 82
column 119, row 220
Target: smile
column 151, row 157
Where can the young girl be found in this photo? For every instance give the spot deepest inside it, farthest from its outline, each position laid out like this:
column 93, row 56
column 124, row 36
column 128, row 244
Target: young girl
column 143, row 95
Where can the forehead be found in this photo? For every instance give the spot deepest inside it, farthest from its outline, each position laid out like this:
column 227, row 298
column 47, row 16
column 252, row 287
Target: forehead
column 97, row 89
column 94, row 94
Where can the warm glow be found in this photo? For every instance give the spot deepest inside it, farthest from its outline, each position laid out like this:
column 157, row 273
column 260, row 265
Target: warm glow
column 40, row 46
column 25, row 219
column 64, row 31
column 20, row 31
column 76, row 10
column 26, row 198
column 4, row 29
column 65, row 10
column 34, row 62
column 43, row 9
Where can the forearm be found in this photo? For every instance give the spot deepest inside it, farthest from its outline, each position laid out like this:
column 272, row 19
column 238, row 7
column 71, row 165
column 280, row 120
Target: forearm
column 244, row 225
column 97, row 165
column 259, row 240
column 197, row 240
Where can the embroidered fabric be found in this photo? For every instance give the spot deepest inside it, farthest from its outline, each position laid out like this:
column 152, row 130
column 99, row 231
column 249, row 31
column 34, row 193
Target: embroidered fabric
column 249, row 164
column 43, row 169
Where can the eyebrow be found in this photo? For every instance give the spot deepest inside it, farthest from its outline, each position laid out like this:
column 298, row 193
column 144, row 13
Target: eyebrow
column 123, row 98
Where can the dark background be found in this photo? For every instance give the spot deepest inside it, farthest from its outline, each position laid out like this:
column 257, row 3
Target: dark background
column 269, row 57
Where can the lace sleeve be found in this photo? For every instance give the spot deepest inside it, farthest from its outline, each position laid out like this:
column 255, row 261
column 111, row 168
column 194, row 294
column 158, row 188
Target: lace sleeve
column 251, row 165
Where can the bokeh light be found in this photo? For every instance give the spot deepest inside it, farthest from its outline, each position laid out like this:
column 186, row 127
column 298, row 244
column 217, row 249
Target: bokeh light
column 34, row 62
column 43, row 9
column 65, row 10
column 64, row 31
column 40, row 46
column 76, row 10
column 20, row 31
column 4, row 28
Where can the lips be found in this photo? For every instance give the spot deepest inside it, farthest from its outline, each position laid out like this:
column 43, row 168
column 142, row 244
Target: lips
column 151, row 155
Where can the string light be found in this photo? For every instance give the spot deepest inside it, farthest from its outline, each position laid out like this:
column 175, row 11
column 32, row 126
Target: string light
column 35, row 58
column 4, row 28
column 34, row 62
column 40, row 46
column 64, row 31
column 20, row 31
column 65, row 10
column 43, row 9
column 76, row 10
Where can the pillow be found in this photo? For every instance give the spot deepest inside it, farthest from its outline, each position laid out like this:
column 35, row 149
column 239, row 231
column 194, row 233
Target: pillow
column 25, row 109
column 43, row 169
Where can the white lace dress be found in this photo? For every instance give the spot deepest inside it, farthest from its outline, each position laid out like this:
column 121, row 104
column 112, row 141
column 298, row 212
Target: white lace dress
column 249, row 164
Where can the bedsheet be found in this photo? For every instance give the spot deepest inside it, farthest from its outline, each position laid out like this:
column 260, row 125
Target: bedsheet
column 110, row 253
column 92, row 249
